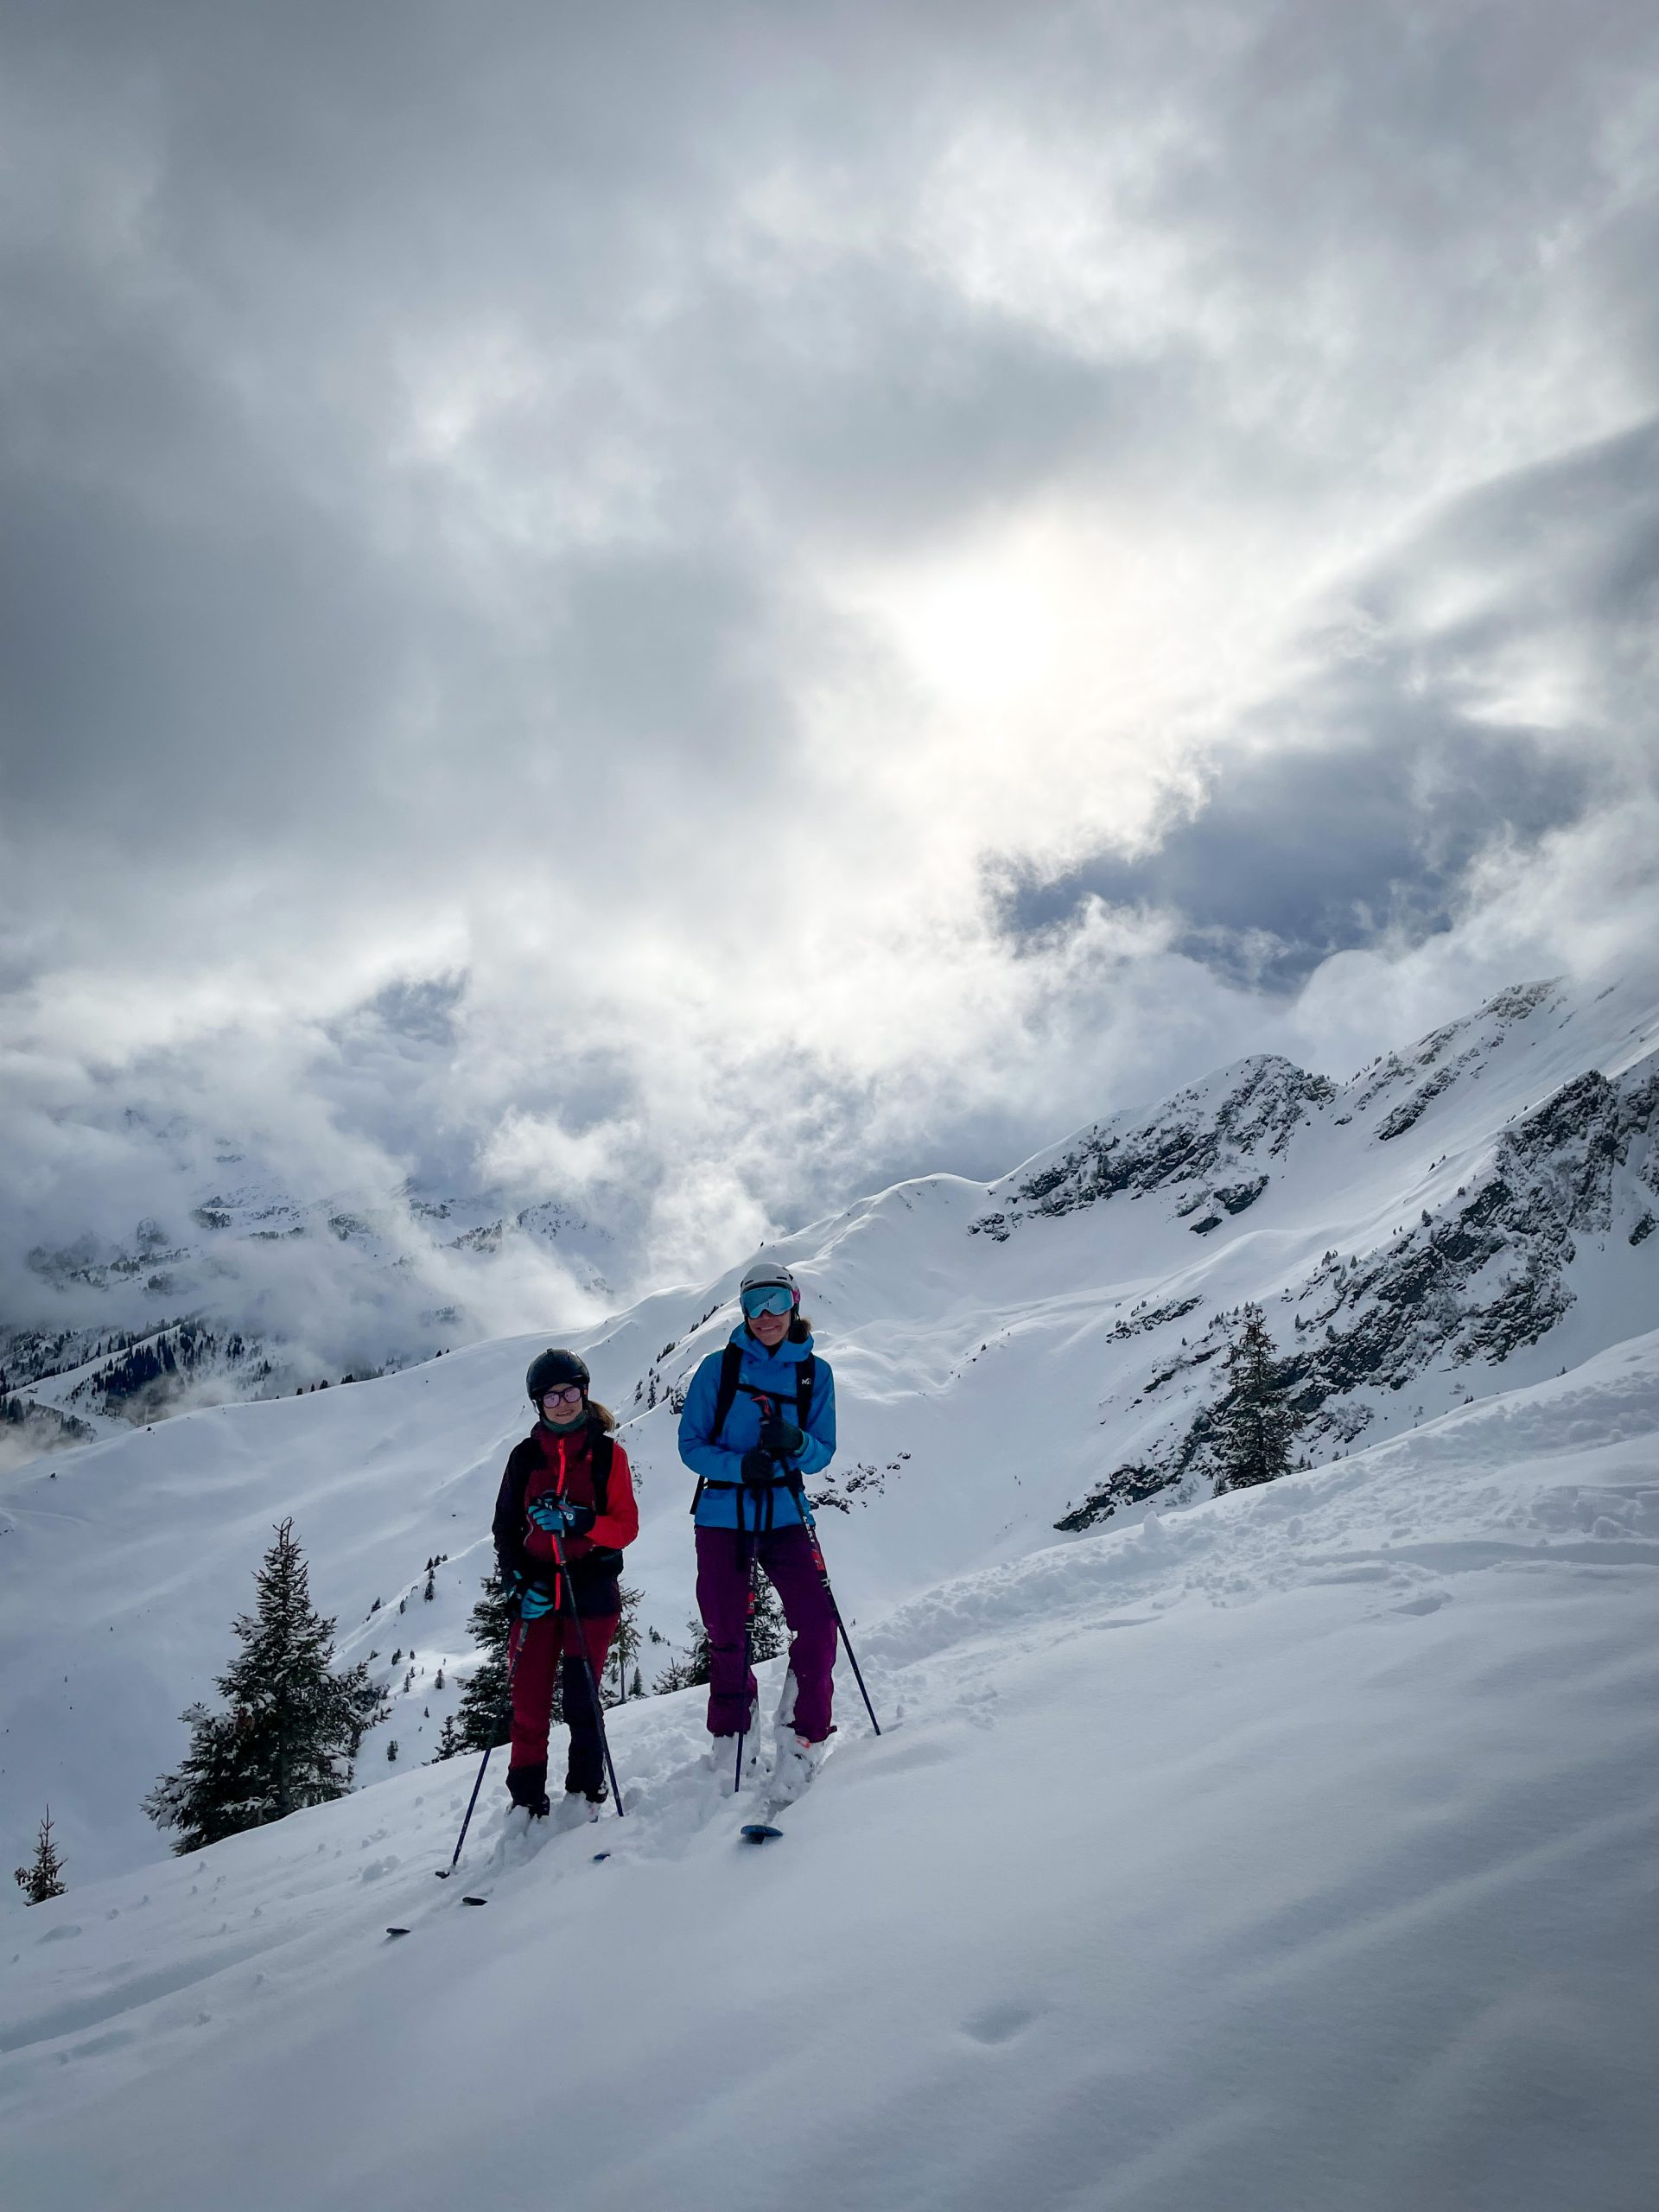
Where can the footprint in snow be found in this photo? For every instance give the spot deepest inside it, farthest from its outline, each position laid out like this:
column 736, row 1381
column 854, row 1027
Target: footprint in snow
column 1430, row 1602
column 1000, row 2023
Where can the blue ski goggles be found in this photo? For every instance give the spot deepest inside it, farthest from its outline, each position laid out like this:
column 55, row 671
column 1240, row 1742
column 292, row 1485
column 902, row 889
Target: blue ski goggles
column 767, row 1298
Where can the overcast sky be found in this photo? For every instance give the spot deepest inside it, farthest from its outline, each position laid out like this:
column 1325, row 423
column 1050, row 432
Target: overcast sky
column 696, row 607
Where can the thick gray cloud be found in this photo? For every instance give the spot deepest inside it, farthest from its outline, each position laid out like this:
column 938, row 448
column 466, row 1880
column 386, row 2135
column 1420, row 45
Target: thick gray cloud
column 1358, row 808
column 1303, row 852
column 696, row 606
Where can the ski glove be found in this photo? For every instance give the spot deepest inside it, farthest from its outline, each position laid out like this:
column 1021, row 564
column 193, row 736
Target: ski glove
column 780, row 1437
column 535, row 1602
column 757, row 1470
column 559, row 1515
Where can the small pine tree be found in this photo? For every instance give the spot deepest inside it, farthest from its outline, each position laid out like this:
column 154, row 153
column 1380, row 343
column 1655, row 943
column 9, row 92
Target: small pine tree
column 293, row 1728
column 624, row 1646
column 44, row 1877
column 451, row 1742
column 392, row 1752
column 1254, row 1425
column 431, row 1589
column 768, row 1631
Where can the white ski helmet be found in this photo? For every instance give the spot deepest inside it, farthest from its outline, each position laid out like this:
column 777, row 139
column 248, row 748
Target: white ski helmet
column 764, row 1273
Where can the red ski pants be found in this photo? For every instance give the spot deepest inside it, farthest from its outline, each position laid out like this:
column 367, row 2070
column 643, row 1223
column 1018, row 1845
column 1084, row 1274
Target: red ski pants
column 539, row 1646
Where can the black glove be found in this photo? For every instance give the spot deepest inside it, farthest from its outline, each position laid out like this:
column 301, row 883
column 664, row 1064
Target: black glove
column 757, row 1470
column 780, row 1437
column 579, row 1520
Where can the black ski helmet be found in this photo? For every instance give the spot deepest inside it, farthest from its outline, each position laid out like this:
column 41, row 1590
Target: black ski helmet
column 551, row 1371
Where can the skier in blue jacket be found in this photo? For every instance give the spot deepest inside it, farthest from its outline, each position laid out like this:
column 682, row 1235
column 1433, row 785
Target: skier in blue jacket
column 750, row 1444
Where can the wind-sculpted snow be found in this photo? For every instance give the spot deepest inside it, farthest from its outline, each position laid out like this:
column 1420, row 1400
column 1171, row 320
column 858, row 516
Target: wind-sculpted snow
column 1293, row 1849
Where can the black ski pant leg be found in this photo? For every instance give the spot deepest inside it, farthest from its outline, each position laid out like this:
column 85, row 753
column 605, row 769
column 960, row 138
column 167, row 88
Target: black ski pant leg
column 586, row 1768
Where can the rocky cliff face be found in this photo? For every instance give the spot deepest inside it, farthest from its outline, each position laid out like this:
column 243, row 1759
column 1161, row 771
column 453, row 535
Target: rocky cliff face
column 1481, row 1273
column 1205, row 1145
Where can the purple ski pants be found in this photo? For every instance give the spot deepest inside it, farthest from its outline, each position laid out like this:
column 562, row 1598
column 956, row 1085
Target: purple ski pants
column 723, row 1556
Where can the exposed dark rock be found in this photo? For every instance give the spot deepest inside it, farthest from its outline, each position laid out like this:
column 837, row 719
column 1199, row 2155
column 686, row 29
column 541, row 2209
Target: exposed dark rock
column 1131, row 1485
column 1236, row 1197
column 1408, row 1115
column 1188, row 1142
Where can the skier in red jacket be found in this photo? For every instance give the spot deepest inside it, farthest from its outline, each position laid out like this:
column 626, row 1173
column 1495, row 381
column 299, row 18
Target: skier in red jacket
column 570, row 1479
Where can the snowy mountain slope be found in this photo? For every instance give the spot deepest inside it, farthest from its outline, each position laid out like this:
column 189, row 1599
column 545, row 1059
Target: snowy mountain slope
column 990, row 1387
column 1291, row 1849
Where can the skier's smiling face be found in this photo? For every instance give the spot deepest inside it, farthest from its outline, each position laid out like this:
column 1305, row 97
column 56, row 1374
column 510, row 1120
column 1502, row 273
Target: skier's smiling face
column 561, row 1407
column 770, row 1328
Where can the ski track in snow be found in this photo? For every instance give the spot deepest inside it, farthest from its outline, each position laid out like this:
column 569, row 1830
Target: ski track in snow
column 1295, row 1849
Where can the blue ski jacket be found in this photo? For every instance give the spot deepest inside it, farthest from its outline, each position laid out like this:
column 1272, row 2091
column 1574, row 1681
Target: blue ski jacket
column 776, row 1373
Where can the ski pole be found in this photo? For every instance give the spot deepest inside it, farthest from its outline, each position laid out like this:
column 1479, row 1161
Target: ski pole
column 503, row 1712
column 748, row 1655
column 811, row 1527
column 566, row 1589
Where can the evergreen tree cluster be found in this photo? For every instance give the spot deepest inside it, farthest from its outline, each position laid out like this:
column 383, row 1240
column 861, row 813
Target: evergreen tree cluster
column 768, row 1635
column 150, row 1372
column 480, row 1719
column 291, row 1727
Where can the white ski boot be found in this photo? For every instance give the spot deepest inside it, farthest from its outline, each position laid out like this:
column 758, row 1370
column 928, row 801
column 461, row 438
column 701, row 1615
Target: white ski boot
column 797, row 1762
column 720, row 1760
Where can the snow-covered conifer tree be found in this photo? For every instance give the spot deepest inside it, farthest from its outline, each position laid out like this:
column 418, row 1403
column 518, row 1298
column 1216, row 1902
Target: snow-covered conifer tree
column 43, row 1877
column 1254, row 1425
column 292, row 1727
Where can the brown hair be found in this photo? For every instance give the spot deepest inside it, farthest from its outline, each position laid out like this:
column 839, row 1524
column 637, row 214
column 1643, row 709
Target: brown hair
column 601, row 1414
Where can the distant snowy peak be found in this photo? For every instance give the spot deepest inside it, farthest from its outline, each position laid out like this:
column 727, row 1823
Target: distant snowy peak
column 1213, row 1146
column 247, row 1289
